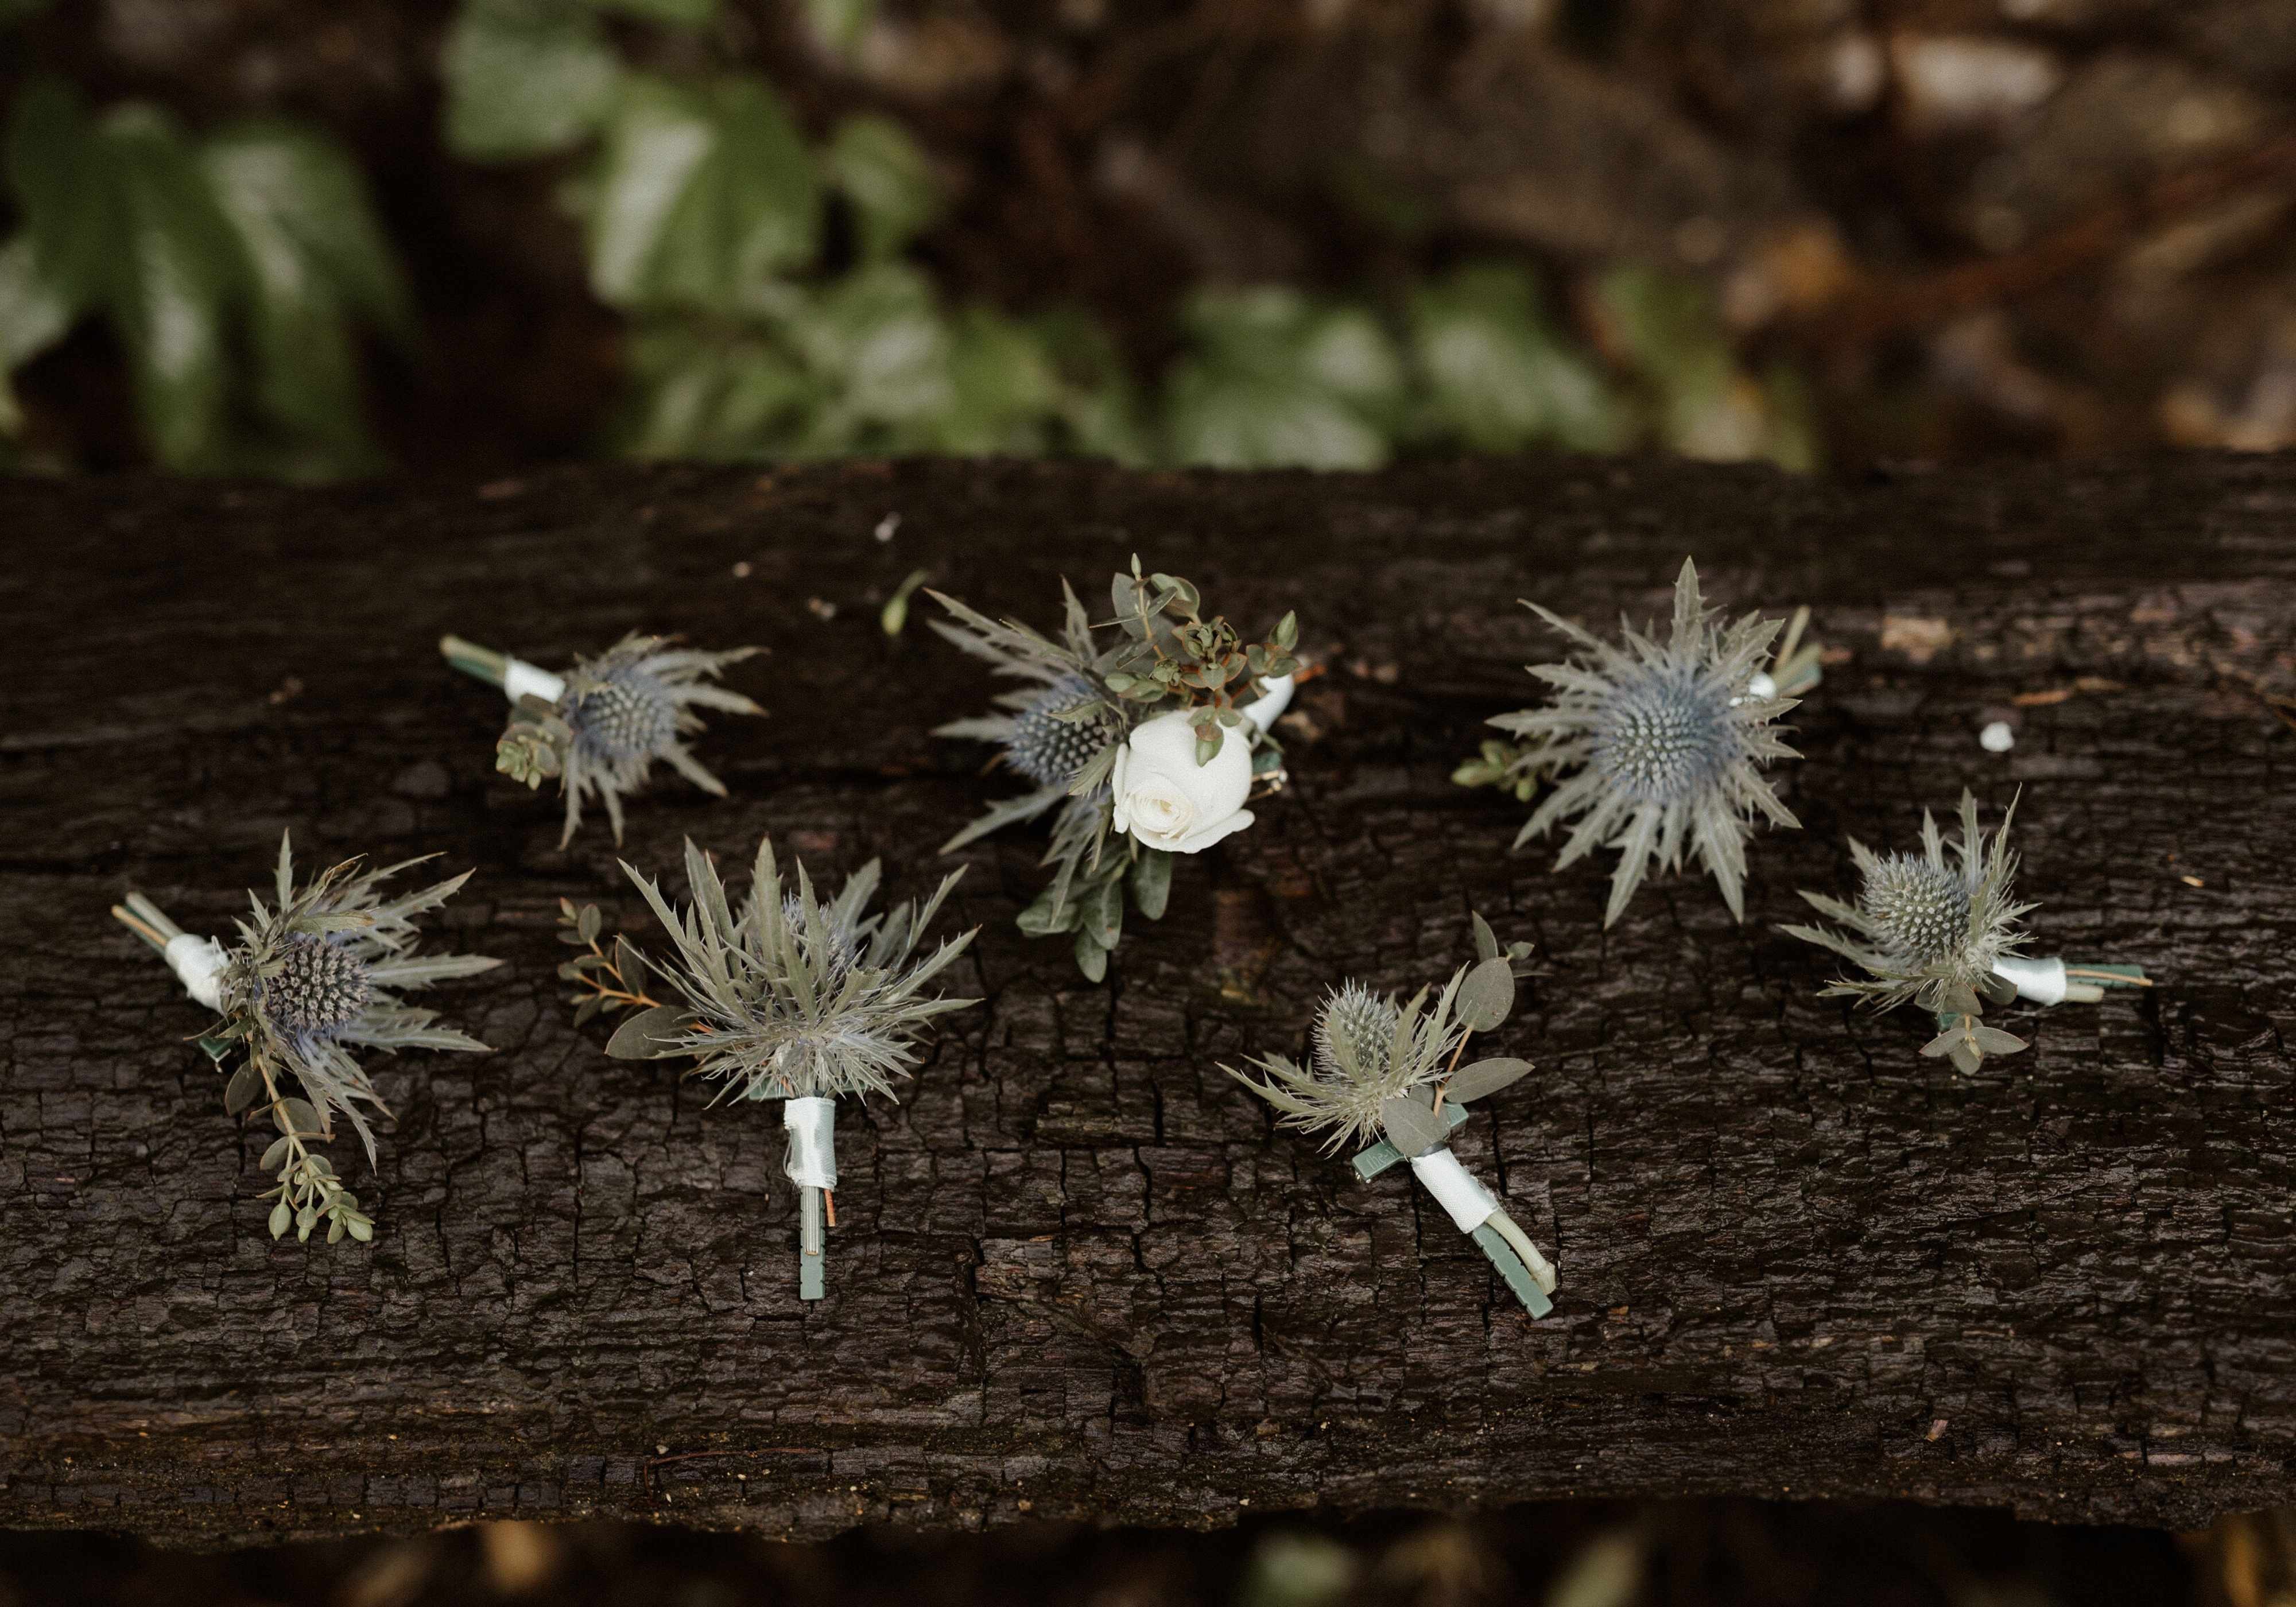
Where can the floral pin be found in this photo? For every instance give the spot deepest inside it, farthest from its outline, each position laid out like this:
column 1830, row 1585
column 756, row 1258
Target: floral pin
column 1154, row 731
column 312, row 978
column 1664, row 744
column 785, row 996
column 1945, row 933
column 599, row 726
column 1378, row 1069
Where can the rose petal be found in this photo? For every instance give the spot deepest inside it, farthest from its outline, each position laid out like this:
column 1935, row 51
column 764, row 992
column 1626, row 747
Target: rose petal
column 1203, row 837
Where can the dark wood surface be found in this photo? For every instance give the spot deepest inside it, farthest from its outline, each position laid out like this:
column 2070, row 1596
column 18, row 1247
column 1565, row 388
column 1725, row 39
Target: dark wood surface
column 1077, row 1272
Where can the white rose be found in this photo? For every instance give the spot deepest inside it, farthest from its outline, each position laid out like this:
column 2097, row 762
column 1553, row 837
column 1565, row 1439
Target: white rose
column 1167, row 800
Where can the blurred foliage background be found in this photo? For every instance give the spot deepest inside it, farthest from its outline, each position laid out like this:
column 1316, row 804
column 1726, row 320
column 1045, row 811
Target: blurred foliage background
column 1712, row 1554
column 307, row 239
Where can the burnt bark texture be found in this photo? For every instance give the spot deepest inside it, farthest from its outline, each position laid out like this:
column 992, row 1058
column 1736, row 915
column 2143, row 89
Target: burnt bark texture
column 1077, row 1272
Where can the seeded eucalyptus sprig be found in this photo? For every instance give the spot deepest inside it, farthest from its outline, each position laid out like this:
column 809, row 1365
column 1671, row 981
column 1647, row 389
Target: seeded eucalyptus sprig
column 1380, row 1068
column 1947, row 934
column 785, row 995
column 1105, row 717
column 313, row 975
column 1663, row 743
column 599, row 726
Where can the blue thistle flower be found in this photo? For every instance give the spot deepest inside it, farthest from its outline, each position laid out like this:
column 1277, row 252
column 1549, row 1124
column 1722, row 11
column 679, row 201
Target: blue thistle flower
column 1667, row 742
column 316, row 973
column 1928, row 927
column 1050, row 751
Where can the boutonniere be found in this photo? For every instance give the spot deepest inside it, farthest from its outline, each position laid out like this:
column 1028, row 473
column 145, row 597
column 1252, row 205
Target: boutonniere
column 599, row 726
column 1656, row 749
column 1148, row 736
column 314, row 976
column 1378, row 1069
column 785, row 995
column 1945, row 931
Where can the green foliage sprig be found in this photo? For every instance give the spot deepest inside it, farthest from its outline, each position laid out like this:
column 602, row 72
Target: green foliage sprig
column 316, row 975
column 1084, row 693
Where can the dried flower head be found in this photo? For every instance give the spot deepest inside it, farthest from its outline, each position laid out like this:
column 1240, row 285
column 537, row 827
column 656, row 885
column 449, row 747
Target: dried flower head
column 612, row 717
column 1668, row 743
column 1929, row 927
column 314, row 976
column 790, row 996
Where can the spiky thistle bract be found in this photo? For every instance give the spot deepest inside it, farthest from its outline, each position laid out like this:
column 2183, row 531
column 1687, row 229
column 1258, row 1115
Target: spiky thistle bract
column 622, row 711
column 789, row 996
column 1929, row 928
column 1659, row 745
column 316, row 973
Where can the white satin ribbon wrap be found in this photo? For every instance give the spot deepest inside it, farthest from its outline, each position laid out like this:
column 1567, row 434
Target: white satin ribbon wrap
column 2043, row 981
column 812, row 1125
column 522, row 679
column 1470, row 1203
column 199, row 962
column 1268, row 706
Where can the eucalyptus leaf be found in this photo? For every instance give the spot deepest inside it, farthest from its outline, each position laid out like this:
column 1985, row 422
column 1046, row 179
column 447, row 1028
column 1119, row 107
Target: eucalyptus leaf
column 646, row 1035
column 245, row 1087
column 1410, row 1127
column 298, row 1117
column 282, row 1217
column 1486, row 996
column 1151, row 882
column 1483, row 1079
column 1104, row 912
column 1042, row 918
column 1487, row 942
column 1091, row 958
column 274, row 1157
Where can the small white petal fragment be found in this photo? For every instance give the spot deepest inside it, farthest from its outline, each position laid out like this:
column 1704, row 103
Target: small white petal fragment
column 1996, row 737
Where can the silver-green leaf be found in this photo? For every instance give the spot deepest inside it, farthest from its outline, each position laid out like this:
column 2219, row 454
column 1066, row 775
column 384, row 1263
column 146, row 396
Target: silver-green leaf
column 1484, row 1078
column 1486, row 996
